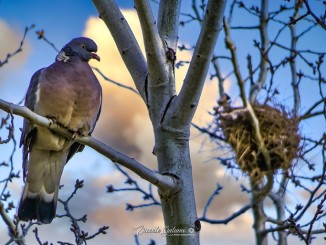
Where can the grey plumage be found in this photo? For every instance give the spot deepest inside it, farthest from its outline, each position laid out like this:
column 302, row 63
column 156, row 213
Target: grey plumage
column 69, row 93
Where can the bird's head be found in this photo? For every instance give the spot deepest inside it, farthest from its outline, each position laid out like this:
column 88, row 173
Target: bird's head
column 82, row 47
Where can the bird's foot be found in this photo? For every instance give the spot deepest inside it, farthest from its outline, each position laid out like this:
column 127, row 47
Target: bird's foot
column 77, row 133
column 74, row 135
column 54, row 121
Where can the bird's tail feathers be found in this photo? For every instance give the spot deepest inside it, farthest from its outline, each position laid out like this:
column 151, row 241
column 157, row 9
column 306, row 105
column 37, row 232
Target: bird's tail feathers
column 41, row 206
column 40, row 195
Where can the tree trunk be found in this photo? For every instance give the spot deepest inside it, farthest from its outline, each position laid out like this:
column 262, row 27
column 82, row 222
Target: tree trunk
column 179, row 207
column 280, row 209
column 278, row 199
column 258, row 215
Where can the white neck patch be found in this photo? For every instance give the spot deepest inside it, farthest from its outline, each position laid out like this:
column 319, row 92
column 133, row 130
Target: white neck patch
column 62, row 57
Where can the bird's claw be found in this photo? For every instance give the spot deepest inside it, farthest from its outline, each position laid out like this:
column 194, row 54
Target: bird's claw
column 53, row 121
column 73, row 136
column 77, row 133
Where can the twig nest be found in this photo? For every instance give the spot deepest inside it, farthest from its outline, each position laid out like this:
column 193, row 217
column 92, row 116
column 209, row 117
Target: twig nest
column 279, row 132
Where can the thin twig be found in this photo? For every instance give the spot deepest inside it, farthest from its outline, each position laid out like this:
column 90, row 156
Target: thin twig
column 20, row 47
column 114, row 82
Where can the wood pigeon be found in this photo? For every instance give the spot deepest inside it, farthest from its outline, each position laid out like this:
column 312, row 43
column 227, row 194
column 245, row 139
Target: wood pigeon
column 69, row 93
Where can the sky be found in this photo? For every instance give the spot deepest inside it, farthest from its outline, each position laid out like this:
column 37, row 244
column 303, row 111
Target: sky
column 124, row 124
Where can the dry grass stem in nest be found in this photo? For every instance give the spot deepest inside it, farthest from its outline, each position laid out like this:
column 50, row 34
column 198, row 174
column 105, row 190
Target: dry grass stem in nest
column 279, row 132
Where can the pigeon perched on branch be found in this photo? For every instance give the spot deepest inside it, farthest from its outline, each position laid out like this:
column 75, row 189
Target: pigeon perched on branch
column 68, row 93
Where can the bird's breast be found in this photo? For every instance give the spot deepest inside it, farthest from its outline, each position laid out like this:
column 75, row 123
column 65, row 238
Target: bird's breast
column 72, row 97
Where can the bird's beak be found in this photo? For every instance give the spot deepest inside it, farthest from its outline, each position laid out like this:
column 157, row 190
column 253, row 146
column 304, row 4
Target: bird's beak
column 95, row 56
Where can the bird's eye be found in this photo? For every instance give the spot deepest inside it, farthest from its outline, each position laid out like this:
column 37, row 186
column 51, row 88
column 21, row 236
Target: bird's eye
column 83, row 46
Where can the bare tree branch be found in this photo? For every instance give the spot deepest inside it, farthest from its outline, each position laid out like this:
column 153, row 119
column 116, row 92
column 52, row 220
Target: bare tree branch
column 314, row 191
column 231, row 46
column 295, row 82
column 318, row 212
column 187, row 101
column 320, row 21
column 19, row 49
column 125, row 41
column 80, row 235
column 164, row 182
column 147, row 195
column 155, row 51
column 263, row 19
column 169, row 17
column 11, row 226
column 206, row 131
column 41, row 35
column 228, row 219
column 196, row 11
column 219, row 76
column 114, row 82
column 160, row 84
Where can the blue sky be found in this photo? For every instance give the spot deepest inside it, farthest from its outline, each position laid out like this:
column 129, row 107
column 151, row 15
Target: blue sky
column 63, row 20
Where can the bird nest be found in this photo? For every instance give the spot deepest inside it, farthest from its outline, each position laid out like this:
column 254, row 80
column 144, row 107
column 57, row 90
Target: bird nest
column 279, row 132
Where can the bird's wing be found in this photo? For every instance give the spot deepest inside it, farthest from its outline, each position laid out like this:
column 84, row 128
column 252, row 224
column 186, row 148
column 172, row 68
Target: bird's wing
column 29, row 131
column 77, row 147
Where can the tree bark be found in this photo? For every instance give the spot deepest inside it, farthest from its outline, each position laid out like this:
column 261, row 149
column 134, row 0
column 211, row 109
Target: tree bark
column 179, row 208
column 263, row 66
column 278, row 199
column 258, row 215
